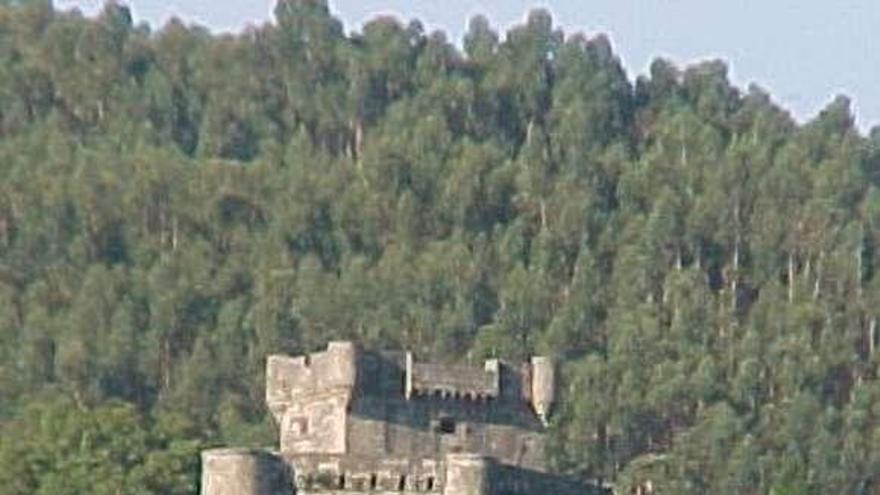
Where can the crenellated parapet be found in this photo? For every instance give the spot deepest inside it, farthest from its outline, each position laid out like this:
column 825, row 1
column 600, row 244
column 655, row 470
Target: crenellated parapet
column 244, row 472
column 309, row 397
column 254, row 472
column 362, row 474
column 535, row 380
column 335, row 372
column 359, row 422
column 460, row 382
column 296, row 379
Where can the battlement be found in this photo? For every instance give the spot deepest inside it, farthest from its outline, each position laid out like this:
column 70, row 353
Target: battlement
column 367, row 474
column 289, row 379
column 243, row 472
column 254, row 472
column 459, row 382
column 360, row 422
column 344, row 370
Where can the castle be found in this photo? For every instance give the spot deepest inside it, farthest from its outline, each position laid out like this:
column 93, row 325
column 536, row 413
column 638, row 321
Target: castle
column 355, row 422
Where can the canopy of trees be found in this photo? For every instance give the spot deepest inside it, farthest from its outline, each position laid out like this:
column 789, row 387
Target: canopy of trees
column 176, row 205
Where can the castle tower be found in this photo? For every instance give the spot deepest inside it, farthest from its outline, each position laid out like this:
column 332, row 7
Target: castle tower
column 243, row 472
column 543, row 386
column 309, row 397
column 362, row 422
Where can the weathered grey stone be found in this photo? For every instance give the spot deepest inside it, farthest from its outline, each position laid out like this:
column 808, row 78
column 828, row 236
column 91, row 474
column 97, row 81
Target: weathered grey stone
column 357, row 422
column 466, row 474
column 543, row 381
column 244, row 472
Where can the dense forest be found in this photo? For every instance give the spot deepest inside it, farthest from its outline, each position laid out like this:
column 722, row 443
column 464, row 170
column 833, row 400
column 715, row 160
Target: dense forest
column 175, row 205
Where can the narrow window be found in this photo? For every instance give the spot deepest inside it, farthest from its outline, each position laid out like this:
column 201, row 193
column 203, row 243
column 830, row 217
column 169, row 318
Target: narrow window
column 401, row 484
column 298, row 426
column 373, row 481
column 341, row 482
column 446, row 425
column 430, row 484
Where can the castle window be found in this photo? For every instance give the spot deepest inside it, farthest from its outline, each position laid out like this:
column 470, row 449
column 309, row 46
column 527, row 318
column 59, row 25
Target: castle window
column 446, row 425
column 401, row 485
column 299, row 426
column 429, row 485
column 373, row 481
column 341, row 481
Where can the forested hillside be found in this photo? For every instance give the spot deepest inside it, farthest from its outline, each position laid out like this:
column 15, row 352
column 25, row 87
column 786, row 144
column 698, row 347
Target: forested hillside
column 175, row 205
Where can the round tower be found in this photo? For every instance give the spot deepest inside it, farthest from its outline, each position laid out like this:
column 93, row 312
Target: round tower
column 543, row 386
column 243, row 472
column 466, row 474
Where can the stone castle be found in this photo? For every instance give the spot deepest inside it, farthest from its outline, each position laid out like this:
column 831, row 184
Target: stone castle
column 355, row 422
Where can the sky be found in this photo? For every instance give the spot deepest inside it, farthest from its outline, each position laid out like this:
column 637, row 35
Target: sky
column 804, row 52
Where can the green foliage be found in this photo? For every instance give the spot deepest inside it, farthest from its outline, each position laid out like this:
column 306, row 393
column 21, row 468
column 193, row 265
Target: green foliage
column 55, row 447
column 175, row 205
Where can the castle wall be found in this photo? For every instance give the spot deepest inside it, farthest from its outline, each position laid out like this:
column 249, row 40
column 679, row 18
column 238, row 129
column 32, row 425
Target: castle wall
column 467, row 474
column 290, row 379
column 454, row 474
column 354, row 475
column 451, row 381
column 316, row 426
column 244, row 472
column 494, row 422
column 510, row 480
column 363, row 423
column 343, row 401
column 257, row 472
column 309, row 397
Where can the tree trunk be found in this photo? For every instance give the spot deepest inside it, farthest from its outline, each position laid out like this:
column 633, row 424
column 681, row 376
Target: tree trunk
column 174, row 233
column 357, row 151
column 734, row 277
column 543, row 214
column 817, row 287
column 860, row 264
column 162, row 222
column 530, row 129
column 872, row 336
column 684, row 151
column 737, row 242
column 165, row 364
column 358, row 139
column 699, row 258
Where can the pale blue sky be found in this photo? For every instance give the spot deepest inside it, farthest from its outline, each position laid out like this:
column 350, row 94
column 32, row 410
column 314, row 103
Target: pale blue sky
column 802, row 51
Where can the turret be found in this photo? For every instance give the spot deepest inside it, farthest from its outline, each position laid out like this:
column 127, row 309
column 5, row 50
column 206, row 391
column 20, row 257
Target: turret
column 244, row 472
column 543, row 386
column 291, row 378
column 342, row 371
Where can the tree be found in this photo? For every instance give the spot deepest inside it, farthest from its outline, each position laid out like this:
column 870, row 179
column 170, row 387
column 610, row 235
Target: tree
column 176, row 205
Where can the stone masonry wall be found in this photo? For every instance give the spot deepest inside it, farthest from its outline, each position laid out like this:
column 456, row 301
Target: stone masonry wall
column 497, row 421
column 379, row 423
